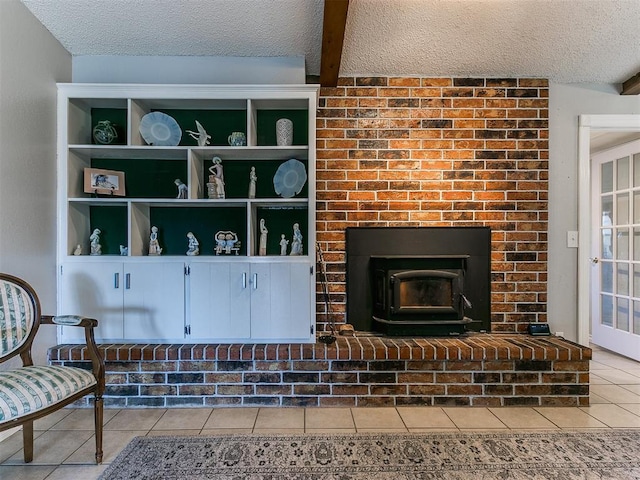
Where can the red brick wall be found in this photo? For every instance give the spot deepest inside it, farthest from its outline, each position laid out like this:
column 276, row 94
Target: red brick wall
column 439, row 152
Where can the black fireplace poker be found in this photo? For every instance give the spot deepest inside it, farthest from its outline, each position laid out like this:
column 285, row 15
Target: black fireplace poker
column 326, row 338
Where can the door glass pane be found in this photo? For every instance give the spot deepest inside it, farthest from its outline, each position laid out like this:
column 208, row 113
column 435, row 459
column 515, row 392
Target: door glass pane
column 636, row 170
column 636, row 318
column 622, row 203
column 606, row 177
column 622, row 317
column 636, row 207
column 622, row 176
column 636, row 243
column 636, row 281
column 606, row 272
column 606, row 310
column 622, row 244
column 623, row 279
column 607, row 245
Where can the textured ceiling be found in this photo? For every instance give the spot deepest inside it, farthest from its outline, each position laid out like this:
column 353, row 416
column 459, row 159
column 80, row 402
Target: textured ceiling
column 567, row 41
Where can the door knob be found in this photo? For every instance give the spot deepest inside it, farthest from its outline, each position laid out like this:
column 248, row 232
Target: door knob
column 594, row 260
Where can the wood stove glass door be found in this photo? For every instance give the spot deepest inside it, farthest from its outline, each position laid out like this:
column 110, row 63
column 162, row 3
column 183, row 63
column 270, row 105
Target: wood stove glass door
column 615, row 275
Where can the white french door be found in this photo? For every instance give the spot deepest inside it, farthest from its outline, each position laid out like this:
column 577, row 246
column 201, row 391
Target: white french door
column 615, row 249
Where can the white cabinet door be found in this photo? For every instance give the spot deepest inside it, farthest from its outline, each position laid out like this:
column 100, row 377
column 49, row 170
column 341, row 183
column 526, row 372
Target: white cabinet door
column 154, row 301
column 280, row 301
column 92, row 289
column 250, row 301
column 219, row 303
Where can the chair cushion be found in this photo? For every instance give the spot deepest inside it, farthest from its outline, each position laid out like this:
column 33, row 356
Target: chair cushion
column 26, row 390
column 16, row 316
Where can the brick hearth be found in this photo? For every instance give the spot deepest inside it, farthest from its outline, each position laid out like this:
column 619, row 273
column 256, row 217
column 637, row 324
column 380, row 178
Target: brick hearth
column 475, row 370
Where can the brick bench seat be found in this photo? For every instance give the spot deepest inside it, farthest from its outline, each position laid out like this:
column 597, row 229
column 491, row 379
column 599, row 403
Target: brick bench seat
column 365, row 370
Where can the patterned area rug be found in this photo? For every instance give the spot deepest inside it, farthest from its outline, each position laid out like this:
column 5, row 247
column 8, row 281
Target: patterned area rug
column 600, row 454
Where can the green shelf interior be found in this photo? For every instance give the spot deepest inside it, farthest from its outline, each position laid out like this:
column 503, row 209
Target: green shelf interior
column 266, row 125
column 174, row 223
column 112, row 222
column 279, row 220
column 236, row 178
column 145, row 178
column 218, row 123
column 117, row 117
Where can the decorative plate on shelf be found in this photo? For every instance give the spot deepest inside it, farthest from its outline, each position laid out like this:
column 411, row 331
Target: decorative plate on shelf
column 159, row 129
column 290, row 178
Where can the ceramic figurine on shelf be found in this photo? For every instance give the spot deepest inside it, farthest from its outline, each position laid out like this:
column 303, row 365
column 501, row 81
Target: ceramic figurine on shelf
column 194, row 245
column 263, row 238
column 296, row 243
column 200, row 136
column 182, row 188
column 154, row 246
column 124, row 251
column 78, row 250
column 94, row 239
column 253, row 178
column 104, row 133
column 283, row 245
column 216, row 178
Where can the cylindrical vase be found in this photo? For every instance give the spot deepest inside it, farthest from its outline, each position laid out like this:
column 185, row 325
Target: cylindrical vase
column 284, row 132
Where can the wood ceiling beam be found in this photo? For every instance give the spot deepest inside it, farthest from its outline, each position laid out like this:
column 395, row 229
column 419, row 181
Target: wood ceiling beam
column 335, row 19
column 631, row 86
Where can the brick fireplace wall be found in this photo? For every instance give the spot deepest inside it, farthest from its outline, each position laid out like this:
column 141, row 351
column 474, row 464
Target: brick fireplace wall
column 408, row 151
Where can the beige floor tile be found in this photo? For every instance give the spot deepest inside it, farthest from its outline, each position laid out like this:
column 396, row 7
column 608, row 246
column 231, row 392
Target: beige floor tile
column 569, row 417
column 615, row 393
column 53, row 447
column 77, row 472
column 619, row 377
column 25, row 472
column 244, row 418
column 13, row 444
column 279, row 418
column 45, row 423
column 113, row 441
column 383, row 430
column 336, row 431
column 596, row 399
column 377, row 418
column 183, row 419
column 597, row 366
column 613, row 416
column 631, row 407
column 632, row 388
column 328, row 418
column 473, row 418
column 522, row 418
column 82, row 419
column 225, row 431
column 135, row 419
column 425, row 418
column 595, row 379
column 176, row 432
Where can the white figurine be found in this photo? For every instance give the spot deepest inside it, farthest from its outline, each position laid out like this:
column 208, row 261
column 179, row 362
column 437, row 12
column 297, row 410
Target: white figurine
column 217, row 177
column 200, row 136
column 283, row 245
column 124, row 251
column 182, row 188
column 263, row 238
column 78, row 250
column 154, row 246
column 194, row 245
column 296, row 243
column 253, row 178
column 96, row 248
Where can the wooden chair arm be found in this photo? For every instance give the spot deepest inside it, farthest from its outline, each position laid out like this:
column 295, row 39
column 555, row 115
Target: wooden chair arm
column 88, row 324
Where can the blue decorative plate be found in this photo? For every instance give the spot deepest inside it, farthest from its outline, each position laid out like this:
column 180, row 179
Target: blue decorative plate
column 159, row 129
column 290, row 178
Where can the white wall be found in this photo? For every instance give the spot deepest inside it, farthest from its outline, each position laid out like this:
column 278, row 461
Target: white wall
column 566, row 103
column 31, row 62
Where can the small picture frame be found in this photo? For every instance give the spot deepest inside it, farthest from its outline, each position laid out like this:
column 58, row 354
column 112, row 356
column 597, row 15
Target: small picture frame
column 104, row 182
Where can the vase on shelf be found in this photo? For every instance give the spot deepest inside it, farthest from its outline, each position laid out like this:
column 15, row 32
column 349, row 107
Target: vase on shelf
column 284, row 132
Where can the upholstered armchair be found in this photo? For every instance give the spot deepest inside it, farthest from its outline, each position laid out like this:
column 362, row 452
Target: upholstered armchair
column 30, row 392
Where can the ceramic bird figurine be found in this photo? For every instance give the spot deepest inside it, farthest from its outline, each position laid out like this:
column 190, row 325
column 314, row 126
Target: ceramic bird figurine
column 200, row 136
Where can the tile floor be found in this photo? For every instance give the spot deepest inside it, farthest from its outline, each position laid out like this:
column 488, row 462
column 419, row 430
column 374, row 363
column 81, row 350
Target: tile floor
column 64, row 443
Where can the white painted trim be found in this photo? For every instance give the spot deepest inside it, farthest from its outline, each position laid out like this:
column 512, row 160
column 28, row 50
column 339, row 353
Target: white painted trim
column 586, row 123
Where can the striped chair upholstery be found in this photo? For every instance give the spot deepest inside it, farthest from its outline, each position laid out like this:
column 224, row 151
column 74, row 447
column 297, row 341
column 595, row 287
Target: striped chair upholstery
column 31, row 391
